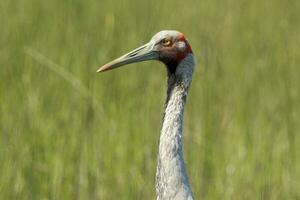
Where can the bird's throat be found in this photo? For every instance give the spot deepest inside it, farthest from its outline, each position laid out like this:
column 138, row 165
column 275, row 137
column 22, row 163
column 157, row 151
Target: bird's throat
column 171, row 67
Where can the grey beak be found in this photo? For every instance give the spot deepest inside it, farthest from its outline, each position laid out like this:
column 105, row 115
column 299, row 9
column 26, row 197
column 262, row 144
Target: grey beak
column 143, row 53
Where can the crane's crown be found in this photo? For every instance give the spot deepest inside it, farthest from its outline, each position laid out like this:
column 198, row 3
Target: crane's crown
column 168, row 46
column 172, row 45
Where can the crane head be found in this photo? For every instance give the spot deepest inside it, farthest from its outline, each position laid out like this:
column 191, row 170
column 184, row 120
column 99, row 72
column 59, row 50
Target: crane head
column 169, row 47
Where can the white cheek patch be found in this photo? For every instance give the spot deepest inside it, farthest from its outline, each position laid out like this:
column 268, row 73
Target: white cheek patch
column 181, row 46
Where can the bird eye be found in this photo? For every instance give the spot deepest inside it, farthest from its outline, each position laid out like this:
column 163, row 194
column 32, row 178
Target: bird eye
column 166, row 42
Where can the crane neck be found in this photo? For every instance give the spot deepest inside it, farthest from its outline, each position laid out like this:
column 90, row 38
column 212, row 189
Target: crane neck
column 171, row 177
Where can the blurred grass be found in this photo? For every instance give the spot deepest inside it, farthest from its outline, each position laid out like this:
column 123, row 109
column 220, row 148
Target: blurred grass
column 242, row 119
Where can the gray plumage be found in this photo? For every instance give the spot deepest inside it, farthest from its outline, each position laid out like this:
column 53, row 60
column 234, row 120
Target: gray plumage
column 171, row 177
column 171, row 48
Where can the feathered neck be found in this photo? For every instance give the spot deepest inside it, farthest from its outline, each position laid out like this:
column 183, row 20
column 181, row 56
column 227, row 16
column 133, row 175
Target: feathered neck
column 171, row 177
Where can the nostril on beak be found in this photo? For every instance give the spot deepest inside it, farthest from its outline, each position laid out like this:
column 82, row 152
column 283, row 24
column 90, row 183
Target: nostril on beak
column 135, row 52
column 132, row 55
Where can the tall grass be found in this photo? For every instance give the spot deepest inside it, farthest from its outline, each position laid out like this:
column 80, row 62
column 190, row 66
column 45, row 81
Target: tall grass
column 69, row 133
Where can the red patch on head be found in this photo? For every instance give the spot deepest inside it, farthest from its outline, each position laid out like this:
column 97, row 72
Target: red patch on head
column 182, row 55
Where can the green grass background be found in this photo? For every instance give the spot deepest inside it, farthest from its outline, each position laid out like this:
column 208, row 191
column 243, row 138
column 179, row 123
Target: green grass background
column 67, row 132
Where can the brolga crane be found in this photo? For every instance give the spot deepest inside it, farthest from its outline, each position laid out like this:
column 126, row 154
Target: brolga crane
column 171, row 48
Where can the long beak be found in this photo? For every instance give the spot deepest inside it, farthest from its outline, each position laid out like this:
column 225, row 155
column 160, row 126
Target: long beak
column 145, row 52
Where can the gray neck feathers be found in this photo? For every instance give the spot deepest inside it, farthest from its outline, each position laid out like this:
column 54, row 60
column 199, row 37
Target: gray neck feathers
column 171, row 177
